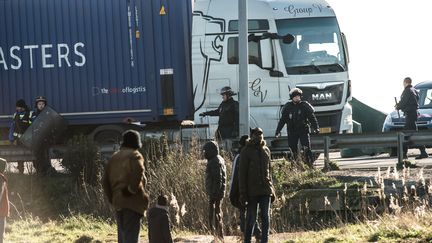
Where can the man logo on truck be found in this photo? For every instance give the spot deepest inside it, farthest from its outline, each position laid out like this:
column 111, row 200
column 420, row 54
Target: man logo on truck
column 322, row 96
column 217, row 26
column 48, row 55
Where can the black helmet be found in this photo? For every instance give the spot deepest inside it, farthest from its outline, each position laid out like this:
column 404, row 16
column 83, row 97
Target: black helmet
column 227, row 90
column 294, row 92
column 40, row 98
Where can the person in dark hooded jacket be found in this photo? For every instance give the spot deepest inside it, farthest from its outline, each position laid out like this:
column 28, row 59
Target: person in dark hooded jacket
column 215, row 185
column 234, row 194
column 158, row 222
column 255, row 184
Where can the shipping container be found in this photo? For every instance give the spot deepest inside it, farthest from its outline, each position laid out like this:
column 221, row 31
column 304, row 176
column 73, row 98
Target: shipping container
column 97, row 61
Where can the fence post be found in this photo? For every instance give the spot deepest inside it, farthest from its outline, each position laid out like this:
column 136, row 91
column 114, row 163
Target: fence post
column 326, row 153
column 400, row 141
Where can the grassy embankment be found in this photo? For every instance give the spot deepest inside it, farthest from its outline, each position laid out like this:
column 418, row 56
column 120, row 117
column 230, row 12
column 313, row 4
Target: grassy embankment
column 68, row 208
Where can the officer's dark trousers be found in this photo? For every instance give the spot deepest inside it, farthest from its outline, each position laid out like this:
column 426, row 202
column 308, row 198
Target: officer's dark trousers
column 410, row 124
column 293, row 138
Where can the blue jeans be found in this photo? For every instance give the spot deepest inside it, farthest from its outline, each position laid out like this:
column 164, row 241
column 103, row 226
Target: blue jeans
column 251, row 216
column 128, row 226
column 256, row 230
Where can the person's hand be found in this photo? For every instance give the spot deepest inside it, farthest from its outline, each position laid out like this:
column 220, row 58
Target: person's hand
column 272, row 197
column 202, row 114
column 126, row 193
column 243, row 200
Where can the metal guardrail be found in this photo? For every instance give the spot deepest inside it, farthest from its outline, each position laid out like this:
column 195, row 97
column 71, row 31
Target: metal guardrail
column 14, row 153
column 326, row 142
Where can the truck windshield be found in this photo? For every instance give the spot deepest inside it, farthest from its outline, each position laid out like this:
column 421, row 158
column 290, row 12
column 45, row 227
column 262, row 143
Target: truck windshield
column 317, row 47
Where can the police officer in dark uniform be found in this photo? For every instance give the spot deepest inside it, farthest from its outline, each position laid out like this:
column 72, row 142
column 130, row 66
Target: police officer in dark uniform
column 299, row 117
column 43, row 163
column 40, row 103
column 21, row 121
column 409, row 105
column 228, row 112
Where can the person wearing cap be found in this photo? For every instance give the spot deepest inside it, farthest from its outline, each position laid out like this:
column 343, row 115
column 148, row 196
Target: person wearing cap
column 21, row 121
column 255, row 184
column 215, row 183
column 234, row 194
column 299, row 117
column 159, row 229
column 124, row 184
column 228, row 112
column 40, row 103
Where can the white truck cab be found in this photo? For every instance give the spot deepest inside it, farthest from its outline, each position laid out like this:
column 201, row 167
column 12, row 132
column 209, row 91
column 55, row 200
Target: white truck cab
column 316, row 61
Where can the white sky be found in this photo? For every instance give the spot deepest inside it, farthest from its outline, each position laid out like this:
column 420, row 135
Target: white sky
column 387, row 40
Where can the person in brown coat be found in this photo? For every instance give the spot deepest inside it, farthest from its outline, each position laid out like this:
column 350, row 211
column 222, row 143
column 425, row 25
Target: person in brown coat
column 158, row 222
column 124, row 184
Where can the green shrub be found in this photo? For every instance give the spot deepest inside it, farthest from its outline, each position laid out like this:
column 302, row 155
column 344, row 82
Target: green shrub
column 82, row 160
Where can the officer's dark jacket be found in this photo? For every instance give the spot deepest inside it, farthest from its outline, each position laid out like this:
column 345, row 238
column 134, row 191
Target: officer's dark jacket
column 409, row 100
column 215, row 172
column 228, row 112
column 298, row 117
column 21, row 121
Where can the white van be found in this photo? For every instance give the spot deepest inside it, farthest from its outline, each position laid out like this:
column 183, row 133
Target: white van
column 316, row 61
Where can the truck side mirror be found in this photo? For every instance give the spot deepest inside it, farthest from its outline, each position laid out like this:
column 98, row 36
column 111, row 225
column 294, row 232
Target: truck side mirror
column 345, row 46
column 266, row 54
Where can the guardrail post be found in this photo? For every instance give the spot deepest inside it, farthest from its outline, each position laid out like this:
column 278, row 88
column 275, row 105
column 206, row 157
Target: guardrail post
column 400, row 140
column 326, row 153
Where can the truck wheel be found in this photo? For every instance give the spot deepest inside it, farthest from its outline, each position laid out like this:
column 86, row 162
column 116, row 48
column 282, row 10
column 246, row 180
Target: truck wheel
column 108, row 137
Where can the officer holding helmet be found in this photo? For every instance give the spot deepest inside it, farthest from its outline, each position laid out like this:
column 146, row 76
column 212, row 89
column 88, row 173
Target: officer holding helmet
column 228, row 112
column 43, row 163
column 299, row 117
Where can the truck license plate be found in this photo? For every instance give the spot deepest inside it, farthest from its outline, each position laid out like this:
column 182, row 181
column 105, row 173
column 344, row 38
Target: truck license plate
column 325, row 130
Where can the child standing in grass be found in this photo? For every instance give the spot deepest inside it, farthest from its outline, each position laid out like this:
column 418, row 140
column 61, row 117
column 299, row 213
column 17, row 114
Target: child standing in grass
column 4, row 199
column 158, row 222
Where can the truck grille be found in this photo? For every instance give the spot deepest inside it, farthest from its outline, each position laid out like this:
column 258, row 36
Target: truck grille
column 330, row 95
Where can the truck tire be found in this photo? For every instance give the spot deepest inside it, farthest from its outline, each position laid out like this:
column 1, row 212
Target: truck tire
column 108, row 137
